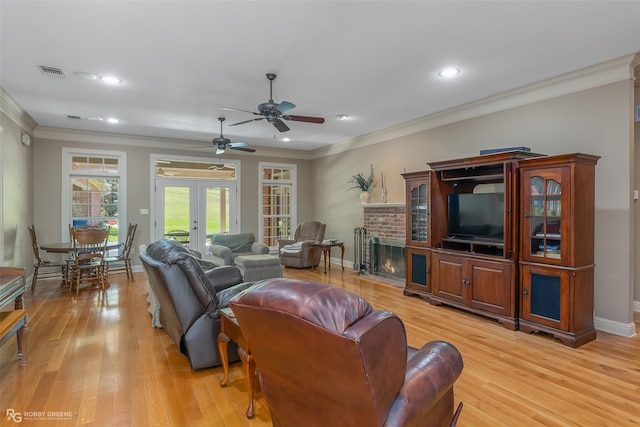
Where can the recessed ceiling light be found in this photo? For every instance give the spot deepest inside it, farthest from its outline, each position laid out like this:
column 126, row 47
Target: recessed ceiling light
column 111, row 80
column 113, row 120
column 342, row 117
column 286, row 139
column 449, row 72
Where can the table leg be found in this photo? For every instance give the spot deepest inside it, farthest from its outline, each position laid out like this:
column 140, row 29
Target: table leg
column 326, row 252
column 223, row 341
column 342, row 257
column 250, row 373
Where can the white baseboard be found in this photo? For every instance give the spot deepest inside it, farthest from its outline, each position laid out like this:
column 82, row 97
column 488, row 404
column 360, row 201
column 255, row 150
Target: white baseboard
column 636, row 306
column 627, row 330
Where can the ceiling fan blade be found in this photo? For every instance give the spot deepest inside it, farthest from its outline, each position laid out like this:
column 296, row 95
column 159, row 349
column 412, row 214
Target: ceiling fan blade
column 237, row 144
column 242, row 111
column 306, row 119
column 246, row 121
column 285, row 106
column 248, row 150
column 279, row 124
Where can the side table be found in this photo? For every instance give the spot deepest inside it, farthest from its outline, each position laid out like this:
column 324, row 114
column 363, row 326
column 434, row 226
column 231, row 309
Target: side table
column 230, row 330
column 326, row 252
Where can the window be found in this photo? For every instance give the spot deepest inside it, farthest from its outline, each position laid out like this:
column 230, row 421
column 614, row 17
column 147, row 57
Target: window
column 277, row 202
column 93, row 190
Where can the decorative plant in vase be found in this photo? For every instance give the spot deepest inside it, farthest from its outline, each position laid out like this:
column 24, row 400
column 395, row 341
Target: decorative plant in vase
column 364, row 184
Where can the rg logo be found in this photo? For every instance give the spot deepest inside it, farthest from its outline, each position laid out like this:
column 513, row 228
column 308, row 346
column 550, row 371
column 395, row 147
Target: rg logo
column 13, row 415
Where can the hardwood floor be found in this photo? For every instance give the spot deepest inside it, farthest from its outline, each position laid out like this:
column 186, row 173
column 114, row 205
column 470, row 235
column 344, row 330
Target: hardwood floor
column 95, row 360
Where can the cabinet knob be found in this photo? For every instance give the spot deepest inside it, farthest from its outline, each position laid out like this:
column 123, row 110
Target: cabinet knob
column 526, row 214
column 525, row 292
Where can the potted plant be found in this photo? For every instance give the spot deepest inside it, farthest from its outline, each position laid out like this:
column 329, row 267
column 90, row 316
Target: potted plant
column 364, row 184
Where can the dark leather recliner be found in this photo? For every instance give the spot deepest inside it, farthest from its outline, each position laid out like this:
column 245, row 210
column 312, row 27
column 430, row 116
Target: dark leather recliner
column 326, row 358
column 190, row 299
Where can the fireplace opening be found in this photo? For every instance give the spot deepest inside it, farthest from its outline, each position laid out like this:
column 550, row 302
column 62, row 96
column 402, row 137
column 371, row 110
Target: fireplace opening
column 387, row 257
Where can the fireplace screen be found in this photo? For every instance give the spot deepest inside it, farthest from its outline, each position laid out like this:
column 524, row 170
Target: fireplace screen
column 387, row 257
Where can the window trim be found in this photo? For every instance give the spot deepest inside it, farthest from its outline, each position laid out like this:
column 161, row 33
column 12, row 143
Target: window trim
column 294, row 193
column 67, row 155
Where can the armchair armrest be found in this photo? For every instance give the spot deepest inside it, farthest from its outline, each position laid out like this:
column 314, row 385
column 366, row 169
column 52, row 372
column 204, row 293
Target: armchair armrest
column 283, row 242
column 430, row 374
column 222, row 252
column 227, row 294
column 223, row 277
column 259, row 248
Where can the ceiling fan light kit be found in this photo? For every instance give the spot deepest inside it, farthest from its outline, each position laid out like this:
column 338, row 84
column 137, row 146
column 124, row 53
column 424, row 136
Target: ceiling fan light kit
column 274, row 112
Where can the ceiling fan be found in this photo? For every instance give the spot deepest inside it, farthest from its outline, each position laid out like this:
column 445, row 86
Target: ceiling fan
column 221, row 143
column 274, row 112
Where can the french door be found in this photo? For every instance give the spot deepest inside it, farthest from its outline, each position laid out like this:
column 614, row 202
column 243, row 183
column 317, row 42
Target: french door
column 191, row 210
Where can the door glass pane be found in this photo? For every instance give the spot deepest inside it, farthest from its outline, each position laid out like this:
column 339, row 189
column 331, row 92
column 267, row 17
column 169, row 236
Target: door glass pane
column 176, row 213
column 217, row 213
column 545, row 217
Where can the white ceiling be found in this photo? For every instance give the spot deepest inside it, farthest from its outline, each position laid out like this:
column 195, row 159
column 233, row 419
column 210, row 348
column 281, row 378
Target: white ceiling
column 181, row 61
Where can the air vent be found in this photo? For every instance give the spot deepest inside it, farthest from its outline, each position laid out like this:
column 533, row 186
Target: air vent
column 69, row 116
column 51, row 71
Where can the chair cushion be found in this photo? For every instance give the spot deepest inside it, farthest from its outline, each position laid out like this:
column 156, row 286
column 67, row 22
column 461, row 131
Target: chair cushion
column 252, row 261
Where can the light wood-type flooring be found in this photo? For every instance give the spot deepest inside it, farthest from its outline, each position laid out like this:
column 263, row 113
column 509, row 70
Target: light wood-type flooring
column 95, row 360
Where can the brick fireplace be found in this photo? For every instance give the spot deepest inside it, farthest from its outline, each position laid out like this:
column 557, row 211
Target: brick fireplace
column 386, row 230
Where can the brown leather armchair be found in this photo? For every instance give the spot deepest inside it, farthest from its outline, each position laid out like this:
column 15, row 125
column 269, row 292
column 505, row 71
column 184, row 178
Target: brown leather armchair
column 190, row 299
column 326, row 358
column 301, row 255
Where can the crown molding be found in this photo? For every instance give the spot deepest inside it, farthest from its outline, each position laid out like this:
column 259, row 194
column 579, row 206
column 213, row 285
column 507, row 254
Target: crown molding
column 16, row 114
column 587, row 78
column 89, row 137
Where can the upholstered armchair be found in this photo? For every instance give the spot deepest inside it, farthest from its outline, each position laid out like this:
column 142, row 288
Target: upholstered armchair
column 297, row 252
column 226, row 247
column 190, row 299
column 327, row 358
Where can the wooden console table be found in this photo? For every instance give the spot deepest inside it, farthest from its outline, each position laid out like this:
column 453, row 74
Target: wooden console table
column 12, row 287
column 230, row 330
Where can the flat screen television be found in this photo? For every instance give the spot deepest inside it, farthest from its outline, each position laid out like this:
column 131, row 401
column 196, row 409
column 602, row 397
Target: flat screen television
column 476, row 216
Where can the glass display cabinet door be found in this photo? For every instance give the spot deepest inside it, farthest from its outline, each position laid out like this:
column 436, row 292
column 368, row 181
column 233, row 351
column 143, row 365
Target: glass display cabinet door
column 419, row 213
column 545, row 240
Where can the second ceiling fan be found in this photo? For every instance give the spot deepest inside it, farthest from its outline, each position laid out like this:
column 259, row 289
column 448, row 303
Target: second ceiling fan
column 274, row 112
column 221, row 143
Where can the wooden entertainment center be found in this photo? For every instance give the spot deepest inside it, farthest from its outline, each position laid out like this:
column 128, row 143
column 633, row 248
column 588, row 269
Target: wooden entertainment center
column 509, row 236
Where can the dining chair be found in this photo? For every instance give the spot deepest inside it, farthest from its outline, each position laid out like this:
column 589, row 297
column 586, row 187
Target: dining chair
column 89, row 249
column 44, row 269
column 123, row 261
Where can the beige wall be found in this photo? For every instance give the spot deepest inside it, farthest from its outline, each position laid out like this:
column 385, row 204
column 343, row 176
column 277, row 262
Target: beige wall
column 47, row 161
column 17, row 185
column 594, row 121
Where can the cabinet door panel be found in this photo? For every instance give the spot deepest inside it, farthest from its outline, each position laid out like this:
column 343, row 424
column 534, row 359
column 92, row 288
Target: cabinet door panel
column 545, row 212
column 448, row 276
column 490, row 286
column 545, row 296
column 418, row 269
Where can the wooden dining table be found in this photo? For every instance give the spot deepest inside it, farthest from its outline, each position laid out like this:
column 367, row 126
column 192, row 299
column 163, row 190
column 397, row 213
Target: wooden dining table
column 67, row 248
